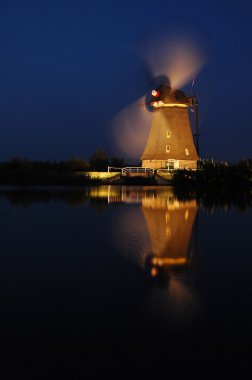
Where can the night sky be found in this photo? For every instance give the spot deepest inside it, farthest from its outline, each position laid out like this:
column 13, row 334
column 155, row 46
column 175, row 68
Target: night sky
column 67, row 67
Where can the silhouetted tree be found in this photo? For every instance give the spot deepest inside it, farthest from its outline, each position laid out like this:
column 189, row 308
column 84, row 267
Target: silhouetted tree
column 99, row 160
column 117, row 162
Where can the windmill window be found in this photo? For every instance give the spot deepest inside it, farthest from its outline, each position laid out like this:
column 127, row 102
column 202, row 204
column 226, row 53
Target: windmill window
column 168, row 135
column 187, row 151
column 167, row 148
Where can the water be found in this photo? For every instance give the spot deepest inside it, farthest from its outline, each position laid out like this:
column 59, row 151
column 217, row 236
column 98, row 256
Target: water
column 107, row 279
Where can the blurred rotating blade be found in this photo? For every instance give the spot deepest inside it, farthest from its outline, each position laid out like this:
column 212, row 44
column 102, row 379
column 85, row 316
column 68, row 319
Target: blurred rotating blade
column 131, row 128
column 178, row 58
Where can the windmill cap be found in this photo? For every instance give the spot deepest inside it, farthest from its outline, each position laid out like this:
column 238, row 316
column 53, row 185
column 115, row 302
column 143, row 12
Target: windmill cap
column 168, row 95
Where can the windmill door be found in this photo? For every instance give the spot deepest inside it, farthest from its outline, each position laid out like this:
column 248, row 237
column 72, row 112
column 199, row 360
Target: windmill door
column 172, row 164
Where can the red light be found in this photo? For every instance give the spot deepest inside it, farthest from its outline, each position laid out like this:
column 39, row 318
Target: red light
column 154, row 272
column 155, row 93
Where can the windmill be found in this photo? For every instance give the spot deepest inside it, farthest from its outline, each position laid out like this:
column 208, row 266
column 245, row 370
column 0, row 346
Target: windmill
column 170, row 142
column 162, row 132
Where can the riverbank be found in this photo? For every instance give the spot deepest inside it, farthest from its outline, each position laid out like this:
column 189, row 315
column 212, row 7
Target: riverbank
column 209, row 174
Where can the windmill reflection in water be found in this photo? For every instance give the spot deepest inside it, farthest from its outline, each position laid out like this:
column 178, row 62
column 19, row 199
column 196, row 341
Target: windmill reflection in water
column 170, row 224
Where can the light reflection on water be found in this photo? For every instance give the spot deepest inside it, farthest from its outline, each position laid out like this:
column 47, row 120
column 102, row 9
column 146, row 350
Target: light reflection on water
column 160, row 236
column 163, row 227
column 117, row 271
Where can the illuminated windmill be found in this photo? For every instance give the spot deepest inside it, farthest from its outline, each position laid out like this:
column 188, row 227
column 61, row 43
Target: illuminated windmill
column 170, row 143
column 162, row 132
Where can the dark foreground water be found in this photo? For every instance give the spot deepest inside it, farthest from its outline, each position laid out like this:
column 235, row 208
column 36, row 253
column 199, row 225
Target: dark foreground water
column 123, row 281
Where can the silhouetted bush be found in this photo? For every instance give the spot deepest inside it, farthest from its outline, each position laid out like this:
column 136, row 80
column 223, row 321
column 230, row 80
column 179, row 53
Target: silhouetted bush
column 216, row 184
column 216, row 173
column 77, row 164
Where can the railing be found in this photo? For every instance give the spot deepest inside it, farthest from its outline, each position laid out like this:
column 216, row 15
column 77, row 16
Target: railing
column 135, row 169
column 113, row 169
column 140, row 169
column 131, row 169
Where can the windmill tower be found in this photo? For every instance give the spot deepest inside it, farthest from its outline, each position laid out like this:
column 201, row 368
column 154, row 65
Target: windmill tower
column 170, row 143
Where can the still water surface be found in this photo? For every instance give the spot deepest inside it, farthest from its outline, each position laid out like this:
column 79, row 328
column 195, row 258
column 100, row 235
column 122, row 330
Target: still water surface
column 114, row 278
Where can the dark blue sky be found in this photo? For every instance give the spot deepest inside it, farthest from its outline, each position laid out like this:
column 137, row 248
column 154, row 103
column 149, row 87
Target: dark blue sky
column 68, row 66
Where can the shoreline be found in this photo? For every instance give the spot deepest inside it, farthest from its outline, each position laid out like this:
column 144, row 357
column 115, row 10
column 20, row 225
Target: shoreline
column 209, row 198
